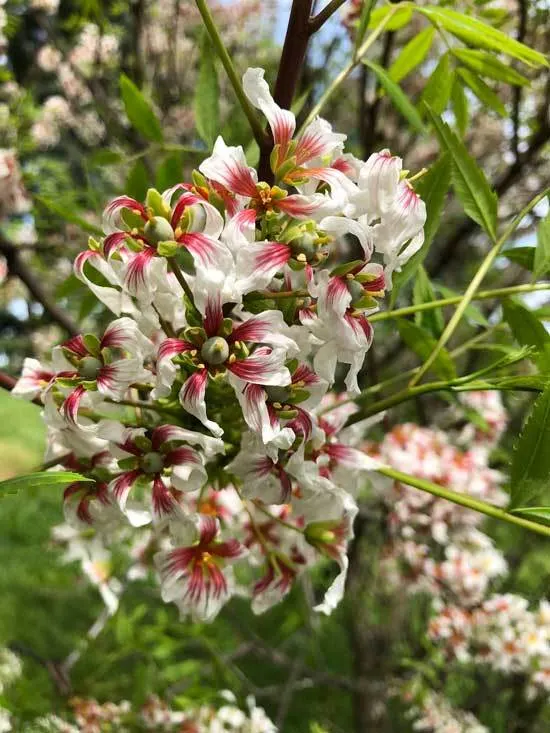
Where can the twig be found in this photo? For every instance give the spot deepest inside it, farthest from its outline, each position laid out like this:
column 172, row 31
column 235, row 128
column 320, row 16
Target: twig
column 17, row 267
column 317, row 21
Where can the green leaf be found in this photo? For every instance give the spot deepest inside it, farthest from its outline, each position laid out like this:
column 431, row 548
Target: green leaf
column 169, row 172
column 432, row 188
column 412, row 54
column 137, row 181
column 478, row 34
column 524, row 256
column 438, row 89
column 540, row 514
column 528, row 331
column 542, row 251
column 487, row 64
column 207, row 95
column 401, row 16
column 398, row 97
column 40, row 480
column 483, row 92
column 363, row 23
column 69, row 215
column 423, row 292
column 139, row 111
column 469, row 181
column 459, row 103
column 423, row 344
column 531, row 459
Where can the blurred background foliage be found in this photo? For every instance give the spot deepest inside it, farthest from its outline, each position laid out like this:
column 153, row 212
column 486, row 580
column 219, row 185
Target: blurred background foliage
column 62, row 111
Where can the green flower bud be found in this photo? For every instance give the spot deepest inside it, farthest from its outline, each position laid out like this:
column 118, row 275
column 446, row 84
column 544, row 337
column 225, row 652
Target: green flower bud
column 152, row 462
column 158, row 229
column 89, row 367
column 215, row 350
column 356, row 290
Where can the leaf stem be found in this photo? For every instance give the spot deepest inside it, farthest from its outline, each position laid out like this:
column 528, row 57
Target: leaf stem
column 219, row 47
column 442, row 303
column 463, row 500
column 473, row 286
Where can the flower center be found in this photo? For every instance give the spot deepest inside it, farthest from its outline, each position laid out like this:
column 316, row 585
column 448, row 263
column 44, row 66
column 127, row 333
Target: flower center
column 215, row 350
column 152, row 462
column 89, row 367
column 158, row 230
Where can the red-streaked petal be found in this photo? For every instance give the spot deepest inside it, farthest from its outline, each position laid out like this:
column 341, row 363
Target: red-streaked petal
column 187, row 199
column 213, row 316
column 172, row 347
column 163, row 501
column 208, row 530
column 113, row 242
column 72, row 402
column 76, row 346
column 184, row 454
column 122, row 485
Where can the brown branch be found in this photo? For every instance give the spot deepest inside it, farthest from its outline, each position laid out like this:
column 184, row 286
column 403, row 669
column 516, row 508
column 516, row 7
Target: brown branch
column 18, row 268
column 323, row 15
column 290, row 67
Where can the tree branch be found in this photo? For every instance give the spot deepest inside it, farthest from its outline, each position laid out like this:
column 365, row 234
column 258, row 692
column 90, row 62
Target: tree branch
column 17, row 267
column 323, row 15
column 290, row 67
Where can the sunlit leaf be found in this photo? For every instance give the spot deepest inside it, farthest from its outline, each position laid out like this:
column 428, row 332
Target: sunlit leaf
column 530, row 471
column 438, row 89
column 469, row 181
column 542, row 251
column 139, row 110
column 207, row 95
column 398, row 97
column 478, row 34
column 487, row 64
column 483, row 92
column 528, row 331
column 40, row 480
column 412, row 54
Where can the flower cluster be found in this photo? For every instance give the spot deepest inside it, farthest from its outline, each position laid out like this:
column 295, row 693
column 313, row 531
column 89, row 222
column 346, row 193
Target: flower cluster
column 435, row 715
column 197, row 410
column 437, row 544
column 90, row 716
column 501, row 633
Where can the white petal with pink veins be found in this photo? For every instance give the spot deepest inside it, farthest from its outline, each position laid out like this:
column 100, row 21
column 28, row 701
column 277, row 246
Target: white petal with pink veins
column 281, row 121
column 192, row 400
column 227, row 165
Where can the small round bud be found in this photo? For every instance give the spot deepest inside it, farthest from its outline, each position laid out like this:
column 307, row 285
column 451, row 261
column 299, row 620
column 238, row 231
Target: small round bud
column 152, row 462
column 89, row 367
column 215, row 350
column 158, row 230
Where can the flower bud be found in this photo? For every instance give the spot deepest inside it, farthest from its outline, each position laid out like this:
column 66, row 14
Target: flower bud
column 152, row 462
column 158, row 230
column 215, row 350
column 89, row 367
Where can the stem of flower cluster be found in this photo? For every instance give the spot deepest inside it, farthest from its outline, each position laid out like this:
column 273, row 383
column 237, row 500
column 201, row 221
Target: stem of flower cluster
column 181, row 279
column 221, row 51
column 280, row 521
column 473, row 286
column 463, row 500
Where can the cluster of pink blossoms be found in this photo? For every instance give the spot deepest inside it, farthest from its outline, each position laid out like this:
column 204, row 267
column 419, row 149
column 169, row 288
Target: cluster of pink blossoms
column 437, row 545
column 234, row 301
